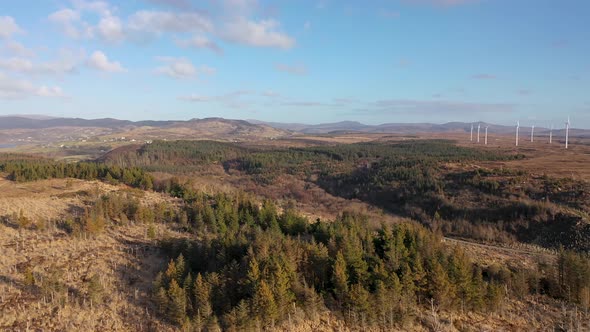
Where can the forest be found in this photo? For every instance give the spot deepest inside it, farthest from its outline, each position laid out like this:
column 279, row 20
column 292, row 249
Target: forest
column 413, row 178
column 248, row 263
column 246, row 266
column 22, row 168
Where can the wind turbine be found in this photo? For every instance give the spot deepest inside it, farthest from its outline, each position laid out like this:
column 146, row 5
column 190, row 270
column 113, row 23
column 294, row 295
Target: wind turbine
column 478, row 125
column 551, row 134
column 533, row 133
column 486, row 139
column 471, row 139
column 567, row 131
column 517, row 128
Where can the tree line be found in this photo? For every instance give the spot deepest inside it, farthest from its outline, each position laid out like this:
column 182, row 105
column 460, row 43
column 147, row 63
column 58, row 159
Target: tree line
column 254, row 267
column 23, row 169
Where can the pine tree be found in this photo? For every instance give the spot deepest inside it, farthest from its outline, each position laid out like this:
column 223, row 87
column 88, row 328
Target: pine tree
column 263, row 303
column 180, row 269
column 253, row 276
column 171, row 271
column 176, row 303
column 440, row 288
column 340, row 277
column 161, row 301
column 358, row 302
column 202, row 307
column 282, row 289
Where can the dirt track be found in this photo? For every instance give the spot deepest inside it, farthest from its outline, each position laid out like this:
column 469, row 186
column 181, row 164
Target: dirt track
column 520, row 256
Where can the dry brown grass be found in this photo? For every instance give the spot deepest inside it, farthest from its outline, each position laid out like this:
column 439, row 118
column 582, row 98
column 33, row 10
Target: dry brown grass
column 124, row 259
column 126, row 262
column 52, row 199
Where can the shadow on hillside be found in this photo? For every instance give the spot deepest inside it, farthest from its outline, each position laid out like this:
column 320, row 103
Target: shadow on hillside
column 145, row 260
column 43, row 285
column 7, row 221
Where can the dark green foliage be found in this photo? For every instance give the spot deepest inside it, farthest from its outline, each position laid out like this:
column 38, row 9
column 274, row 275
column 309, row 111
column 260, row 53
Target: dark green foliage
column 255, row 273
column 23, row 168
column 574, row 277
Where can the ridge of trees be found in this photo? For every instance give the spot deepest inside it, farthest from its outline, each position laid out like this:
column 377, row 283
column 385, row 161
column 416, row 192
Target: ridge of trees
column 27, row 168
column 254, row 267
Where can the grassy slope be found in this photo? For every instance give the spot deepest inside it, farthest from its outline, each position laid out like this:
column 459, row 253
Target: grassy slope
column 126, row 261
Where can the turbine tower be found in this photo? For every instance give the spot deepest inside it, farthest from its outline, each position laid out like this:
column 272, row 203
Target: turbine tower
column 471, row 139
column 533, row 133
column 478, row 125
column 486, row 139
column 517, row 128
column 551, row 134
column 567, row 131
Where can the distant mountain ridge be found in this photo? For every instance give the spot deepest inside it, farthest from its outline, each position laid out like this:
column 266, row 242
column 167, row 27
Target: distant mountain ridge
column 241, row 126
column 24, row 130
column 414, row 128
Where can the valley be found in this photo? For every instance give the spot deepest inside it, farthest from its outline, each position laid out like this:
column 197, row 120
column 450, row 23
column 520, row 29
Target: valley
column 112, row 227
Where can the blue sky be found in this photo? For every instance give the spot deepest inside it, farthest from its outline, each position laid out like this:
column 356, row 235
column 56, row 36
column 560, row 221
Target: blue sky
column 298, row 61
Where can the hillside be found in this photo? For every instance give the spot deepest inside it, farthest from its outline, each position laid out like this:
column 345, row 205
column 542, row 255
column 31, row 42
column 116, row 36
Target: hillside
column 102, row 276
column 88, row 138
column 393, row 234
column 414, row 128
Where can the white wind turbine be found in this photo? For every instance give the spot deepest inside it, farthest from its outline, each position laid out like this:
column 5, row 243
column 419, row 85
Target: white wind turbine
column 478, row 125
column 567, row 131
column 471, row 139
column 517, row 128
column 551, row 134
column 533, row 133
column 486, row 139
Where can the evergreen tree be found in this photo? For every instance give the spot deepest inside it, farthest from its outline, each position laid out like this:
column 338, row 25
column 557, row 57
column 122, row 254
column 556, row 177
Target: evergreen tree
column 263, row 303
column 202, row 299
column 176, row 303
column 340, row 278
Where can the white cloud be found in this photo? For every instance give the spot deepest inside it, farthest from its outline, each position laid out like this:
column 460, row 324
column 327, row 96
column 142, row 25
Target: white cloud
column 235, row 99
column 16, row 64
column 263, row 33
column 73, row 25
column 240, row 7
column 18, row 49
column 181, row 68
column 177, row 68
column 68, row 21
column 8, row 27
column 67, row 62
column 160, row 22
column 484, row 77
column 14, row 88
column 101, row 8
column 110, row 29
column 207, row 70
column 391, row 14
column 200, row 41
column 181, row 4
column 65, row 15
column 443, row 3
column 233, row 23
column 197, row 98
column 54, row 91
column 98, row 60
column 270, row 94
column 437, row 106
column 292, row 69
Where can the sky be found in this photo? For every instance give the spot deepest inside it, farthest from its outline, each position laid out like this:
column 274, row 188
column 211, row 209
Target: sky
column 316, row 61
